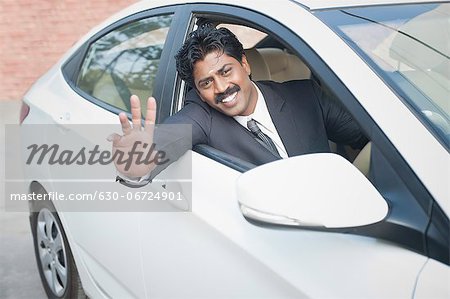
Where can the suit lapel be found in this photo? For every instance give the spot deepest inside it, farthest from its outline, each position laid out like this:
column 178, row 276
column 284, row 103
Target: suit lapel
column 282, row 118
column 253, row 144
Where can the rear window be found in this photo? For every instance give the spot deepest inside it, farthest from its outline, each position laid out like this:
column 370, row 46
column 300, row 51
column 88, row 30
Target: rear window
column 125, row 61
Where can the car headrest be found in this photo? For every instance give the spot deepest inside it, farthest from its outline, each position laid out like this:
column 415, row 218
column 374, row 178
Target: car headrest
column 259, row 68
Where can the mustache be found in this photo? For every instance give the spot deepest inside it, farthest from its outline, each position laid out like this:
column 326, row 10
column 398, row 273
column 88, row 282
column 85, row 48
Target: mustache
column 230, row 90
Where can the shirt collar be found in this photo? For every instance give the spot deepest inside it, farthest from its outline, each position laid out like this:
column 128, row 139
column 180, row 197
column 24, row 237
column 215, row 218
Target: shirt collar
column 261, row 113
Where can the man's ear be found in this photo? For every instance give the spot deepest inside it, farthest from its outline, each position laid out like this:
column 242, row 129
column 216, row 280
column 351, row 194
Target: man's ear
column 246, row 65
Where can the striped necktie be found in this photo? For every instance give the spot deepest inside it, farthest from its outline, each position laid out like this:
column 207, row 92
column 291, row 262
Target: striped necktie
column 262, row 138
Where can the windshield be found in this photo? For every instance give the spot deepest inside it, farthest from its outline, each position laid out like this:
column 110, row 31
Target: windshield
column 409, row 47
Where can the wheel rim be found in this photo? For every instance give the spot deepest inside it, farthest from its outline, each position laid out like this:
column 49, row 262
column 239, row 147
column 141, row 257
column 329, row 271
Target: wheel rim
column 52, row 252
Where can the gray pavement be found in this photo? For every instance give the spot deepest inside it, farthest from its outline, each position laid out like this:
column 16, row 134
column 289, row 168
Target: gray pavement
column 19, row 277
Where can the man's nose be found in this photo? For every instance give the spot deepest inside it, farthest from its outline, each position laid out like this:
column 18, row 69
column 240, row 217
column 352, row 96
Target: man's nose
column 221, row 85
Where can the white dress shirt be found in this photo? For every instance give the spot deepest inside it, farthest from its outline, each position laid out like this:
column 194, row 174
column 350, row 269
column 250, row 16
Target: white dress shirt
column 262, row 117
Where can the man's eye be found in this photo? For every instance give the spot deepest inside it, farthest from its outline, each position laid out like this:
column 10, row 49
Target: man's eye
column 226, row 72
column 205, row 84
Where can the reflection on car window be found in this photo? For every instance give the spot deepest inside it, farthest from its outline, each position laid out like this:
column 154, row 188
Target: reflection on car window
column 125, row 62
column 407, row 45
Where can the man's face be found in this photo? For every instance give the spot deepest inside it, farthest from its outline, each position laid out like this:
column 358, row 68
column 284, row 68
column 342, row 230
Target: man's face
column 224, row 84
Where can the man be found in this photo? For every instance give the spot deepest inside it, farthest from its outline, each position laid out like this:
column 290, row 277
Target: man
column 255, row 121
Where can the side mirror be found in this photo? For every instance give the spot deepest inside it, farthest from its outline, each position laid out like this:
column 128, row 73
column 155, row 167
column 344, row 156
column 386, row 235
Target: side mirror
column 315, row 190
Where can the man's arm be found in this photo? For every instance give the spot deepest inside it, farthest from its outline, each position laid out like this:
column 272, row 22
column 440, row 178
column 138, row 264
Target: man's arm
column 183, row 130
column 340, row 126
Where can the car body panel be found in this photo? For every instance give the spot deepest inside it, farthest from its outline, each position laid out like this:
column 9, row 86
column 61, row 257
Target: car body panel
column 434, row 279
column 117, row 271
column 324, row 4
column 176, row 243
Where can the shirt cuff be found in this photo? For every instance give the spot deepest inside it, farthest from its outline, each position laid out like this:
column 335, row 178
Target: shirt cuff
column 133, row 182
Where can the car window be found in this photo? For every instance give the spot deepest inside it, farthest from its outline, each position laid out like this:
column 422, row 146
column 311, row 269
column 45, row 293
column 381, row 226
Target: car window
column 124, row 62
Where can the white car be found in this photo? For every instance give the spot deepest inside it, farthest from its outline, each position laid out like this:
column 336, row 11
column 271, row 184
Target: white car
column 373, row 224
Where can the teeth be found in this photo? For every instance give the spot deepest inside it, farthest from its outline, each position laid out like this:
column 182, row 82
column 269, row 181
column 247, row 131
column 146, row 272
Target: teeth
column 229, row 98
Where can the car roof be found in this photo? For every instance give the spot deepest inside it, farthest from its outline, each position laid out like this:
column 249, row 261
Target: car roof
column 327, row 4
column 254, row 4
column 308, row 4
column 143, row 5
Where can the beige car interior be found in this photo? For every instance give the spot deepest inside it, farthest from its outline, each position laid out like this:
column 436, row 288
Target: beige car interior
column 276, row 64
column 280, row 66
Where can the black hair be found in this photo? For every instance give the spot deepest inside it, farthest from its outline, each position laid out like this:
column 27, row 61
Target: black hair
column 204, row 40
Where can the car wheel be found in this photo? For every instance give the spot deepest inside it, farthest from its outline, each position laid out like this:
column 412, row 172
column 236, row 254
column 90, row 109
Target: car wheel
column 56, row 266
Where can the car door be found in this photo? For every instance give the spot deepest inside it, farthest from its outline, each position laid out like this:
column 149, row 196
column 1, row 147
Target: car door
column 213, row 251
column 127, row 57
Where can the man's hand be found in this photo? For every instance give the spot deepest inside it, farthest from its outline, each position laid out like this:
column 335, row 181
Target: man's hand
column 135, row 145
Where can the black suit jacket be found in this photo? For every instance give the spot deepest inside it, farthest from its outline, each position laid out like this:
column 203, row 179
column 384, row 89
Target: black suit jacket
column 304, row 117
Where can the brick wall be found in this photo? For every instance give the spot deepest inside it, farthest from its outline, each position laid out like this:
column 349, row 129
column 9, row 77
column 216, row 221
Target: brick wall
column 35, row 33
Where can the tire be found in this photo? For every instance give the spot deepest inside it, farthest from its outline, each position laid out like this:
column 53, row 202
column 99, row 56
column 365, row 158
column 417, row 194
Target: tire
column 54, row 258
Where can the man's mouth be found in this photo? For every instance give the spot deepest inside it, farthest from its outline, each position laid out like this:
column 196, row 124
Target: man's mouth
column 229, row 95
column 230, row 98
